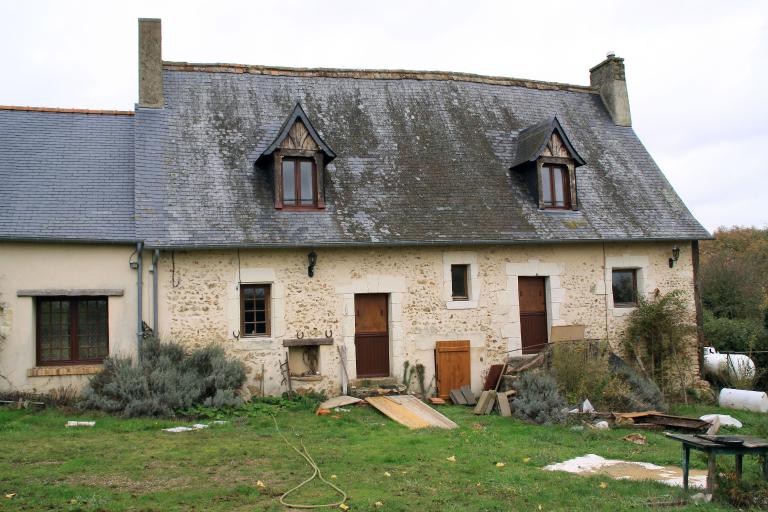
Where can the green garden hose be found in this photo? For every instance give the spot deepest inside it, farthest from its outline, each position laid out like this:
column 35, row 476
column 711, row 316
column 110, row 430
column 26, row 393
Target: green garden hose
column 316, row 473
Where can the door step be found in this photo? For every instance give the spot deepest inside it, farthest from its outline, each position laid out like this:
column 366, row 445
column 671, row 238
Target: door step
column 375, row 386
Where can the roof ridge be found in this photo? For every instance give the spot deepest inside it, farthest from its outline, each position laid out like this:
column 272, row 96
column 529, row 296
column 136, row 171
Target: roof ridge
column 374, row 74
column 69, row 110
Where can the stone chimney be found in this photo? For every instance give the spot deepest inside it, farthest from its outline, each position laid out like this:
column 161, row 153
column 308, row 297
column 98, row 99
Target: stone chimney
column 150, row 64
column 608, row 77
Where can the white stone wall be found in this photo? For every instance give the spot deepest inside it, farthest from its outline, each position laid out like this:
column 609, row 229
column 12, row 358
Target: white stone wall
column 199, row 300
column 204, row 306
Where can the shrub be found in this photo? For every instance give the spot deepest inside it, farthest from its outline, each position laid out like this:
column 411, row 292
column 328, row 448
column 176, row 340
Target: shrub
column 630, row 391
column 580, row 369
column 656, row 337
column 166, row 380
column 538, row 399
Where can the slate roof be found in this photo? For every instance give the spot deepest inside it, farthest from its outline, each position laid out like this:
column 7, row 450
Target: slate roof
column 66, row 175
column 420, row 159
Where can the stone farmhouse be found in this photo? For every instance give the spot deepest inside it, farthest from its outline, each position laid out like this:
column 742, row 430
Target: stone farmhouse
column 374, row 217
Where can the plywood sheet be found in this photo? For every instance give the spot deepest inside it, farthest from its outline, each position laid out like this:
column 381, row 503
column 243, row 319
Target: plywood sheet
column 339, row 401
column 410, row 411
column 567, row 333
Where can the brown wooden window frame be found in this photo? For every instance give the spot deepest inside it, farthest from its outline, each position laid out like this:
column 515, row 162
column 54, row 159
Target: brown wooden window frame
column 72, row 328
column 267, row 311
column 634, row 288
column 548, row 167
column 297, row 182
column 454, row 296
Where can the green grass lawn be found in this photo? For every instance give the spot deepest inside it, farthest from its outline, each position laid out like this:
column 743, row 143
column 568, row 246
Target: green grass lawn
column 131, row 465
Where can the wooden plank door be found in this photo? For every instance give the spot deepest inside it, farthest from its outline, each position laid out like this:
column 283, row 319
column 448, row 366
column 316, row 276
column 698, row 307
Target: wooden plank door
column 533, row 314
column 371, row 335
column 451, row 366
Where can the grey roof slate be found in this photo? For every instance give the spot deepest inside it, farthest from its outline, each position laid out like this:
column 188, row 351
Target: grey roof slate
column 532, row 141
column 418, row 162
column 66, row 176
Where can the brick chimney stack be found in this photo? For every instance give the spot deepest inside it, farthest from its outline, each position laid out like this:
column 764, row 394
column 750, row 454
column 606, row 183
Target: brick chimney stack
column 608, row 77
column 150, row 64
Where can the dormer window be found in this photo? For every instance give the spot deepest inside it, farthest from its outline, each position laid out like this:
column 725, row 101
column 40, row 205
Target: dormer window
column 555, row 186
column 547, row 161
column 297, row 157
column 299, row 183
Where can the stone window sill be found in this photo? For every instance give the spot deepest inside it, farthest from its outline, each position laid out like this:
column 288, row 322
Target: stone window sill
column 307, row 378
column 461, row 304
column 64, row 370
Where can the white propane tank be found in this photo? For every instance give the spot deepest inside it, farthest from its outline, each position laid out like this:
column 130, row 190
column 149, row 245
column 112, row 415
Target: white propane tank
column 745, row 400
column 737, row 365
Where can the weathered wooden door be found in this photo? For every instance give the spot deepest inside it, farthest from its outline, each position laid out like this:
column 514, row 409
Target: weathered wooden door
column 452, row 366
column 371, row 335
column 533, row 314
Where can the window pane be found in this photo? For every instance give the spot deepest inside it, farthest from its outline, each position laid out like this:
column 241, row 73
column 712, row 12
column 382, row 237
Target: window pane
column 557, row 177
column 53, row 330
column 255, row 319
column 624, row 290
column 459, row 281
column 546, row 186
column 307, row 192
column 92, row 342
column 289, row 183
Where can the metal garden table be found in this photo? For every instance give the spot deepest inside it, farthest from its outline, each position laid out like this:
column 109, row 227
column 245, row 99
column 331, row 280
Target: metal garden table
column 713, row 448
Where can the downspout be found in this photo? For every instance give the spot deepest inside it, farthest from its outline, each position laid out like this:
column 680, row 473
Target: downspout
column 139, row 297
column 155, row 258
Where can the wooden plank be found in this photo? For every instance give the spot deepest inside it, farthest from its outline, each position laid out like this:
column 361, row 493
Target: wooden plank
column 419, row 408
column 469, row 396
column 494, row 372
column 307, row 342
column 410, row 411
column 101, row 292
column 452, row 364
column 503, row 401
column 457, row 397
column 485, row 402
column 491, row 402
column 397, row 412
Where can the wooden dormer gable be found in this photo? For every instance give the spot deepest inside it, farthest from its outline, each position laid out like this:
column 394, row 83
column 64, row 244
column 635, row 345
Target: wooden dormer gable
column 548, row 161
column 298, row 141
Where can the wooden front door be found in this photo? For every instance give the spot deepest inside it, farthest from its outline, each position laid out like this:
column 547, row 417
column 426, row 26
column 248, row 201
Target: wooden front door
column 371, row 335
column 451, row 366
column 533, row 314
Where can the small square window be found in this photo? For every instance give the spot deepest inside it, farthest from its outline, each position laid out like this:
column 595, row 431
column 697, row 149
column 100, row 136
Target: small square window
column 460, row 282
column 254, row 310
column 625, row 288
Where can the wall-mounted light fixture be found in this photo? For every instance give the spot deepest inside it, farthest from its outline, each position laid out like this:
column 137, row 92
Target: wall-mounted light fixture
column 675, row 256
column 312, row 260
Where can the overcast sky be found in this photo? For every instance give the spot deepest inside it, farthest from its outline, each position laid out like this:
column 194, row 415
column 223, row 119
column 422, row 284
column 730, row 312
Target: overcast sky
column 697, row 72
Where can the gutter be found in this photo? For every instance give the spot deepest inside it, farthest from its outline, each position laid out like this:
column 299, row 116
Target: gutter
column 421, row 243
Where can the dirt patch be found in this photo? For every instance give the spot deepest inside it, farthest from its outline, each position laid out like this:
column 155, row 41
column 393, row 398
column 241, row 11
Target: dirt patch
column 625, row 470
column 122, row 483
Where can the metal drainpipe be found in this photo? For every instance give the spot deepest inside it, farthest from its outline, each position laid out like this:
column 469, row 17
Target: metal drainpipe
column 155, row 258
column 139, row 304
